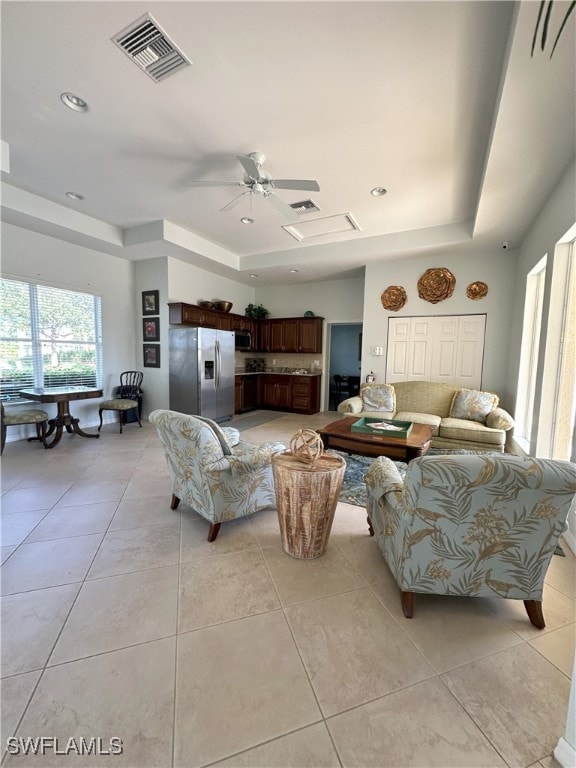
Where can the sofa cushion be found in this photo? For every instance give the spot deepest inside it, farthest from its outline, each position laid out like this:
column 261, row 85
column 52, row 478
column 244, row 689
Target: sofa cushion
column 472, row 404
column 464, row 429
column 429, row 419
column 499, row 419
column 379, row 397
column 424, row 397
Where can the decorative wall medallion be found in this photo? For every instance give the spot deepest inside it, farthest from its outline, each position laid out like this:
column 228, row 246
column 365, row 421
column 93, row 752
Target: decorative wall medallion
column 477, row 290
column 394, row 297
column 436, row 284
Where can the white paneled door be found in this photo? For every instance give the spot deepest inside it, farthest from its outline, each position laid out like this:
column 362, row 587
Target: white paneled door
column 448, row 348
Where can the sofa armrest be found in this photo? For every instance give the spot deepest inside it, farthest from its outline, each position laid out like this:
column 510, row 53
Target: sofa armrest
column 498, row 418
column 351, row 405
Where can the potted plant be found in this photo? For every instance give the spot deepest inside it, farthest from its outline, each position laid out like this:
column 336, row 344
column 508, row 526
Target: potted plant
column 256, row 312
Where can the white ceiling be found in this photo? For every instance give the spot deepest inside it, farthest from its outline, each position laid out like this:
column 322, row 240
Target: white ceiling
column 439, row 102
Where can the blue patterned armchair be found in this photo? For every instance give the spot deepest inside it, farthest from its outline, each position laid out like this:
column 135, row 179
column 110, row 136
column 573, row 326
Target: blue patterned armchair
column 476, row 525
column 212, row 472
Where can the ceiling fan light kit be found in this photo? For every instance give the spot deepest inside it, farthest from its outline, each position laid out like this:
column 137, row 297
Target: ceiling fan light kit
column 259, row 182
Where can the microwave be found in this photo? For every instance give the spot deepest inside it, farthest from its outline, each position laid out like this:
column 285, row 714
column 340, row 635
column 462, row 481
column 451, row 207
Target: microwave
column 242, row 340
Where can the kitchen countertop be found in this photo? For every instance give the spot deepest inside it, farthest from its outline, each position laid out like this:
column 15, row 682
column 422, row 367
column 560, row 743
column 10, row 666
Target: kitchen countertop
column 274, row 373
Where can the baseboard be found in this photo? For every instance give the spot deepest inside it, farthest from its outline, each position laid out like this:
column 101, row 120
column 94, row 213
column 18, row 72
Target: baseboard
column 565, row 753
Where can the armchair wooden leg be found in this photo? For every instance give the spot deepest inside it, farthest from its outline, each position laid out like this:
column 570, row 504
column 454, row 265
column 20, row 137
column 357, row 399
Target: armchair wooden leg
column 213, row 531
column 534, row 611
column 100, row 414
column 370, row 529
column 407, row 600
column 174, row 503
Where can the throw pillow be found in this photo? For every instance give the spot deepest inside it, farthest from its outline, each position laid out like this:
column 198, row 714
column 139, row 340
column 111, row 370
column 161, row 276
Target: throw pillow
column 472, row 404
column 380, row 397
column 499, row 419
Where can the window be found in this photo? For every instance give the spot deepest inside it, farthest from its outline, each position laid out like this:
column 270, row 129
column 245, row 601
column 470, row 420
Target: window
column 529, row 353
column 557, row 410
column 49, row 337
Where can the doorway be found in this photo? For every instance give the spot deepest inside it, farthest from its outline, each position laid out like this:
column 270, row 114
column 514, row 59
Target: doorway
column 345, row 360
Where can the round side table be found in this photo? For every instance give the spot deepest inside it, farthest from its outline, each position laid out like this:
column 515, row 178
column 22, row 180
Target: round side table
column 306, row 497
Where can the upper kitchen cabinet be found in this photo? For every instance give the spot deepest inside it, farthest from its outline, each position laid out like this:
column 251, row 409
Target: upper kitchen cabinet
column 291, row 334
column 191, row 314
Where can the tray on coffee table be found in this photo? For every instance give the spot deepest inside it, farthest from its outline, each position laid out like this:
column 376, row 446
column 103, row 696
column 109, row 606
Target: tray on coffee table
column 391, row 428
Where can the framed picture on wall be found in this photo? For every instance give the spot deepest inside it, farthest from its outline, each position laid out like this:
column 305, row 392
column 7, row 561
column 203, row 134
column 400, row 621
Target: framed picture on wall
column 150, row 302
column 151, row 354
column 151, row 329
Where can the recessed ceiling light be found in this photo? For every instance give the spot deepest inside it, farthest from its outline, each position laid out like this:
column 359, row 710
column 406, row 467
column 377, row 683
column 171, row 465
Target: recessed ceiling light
column 74, row 196
column 293, row 270
column 74, row 102
column 246, row 220
column 253, row 274
column 378, row 191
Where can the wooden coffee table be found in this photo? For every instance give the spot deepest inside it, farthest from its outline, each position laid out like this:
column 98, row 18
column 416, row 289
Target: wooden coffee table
column 339, row 435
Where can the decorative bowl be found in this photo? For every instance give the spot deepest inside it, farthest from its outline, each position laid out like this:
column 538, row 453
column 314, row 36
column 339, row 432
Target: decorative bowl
column 206, row 304
column 223, row 306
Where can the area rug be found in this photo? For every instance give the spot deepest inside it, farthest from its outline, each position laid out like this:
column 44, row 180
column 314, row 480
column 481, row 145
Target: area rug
column 354, row 488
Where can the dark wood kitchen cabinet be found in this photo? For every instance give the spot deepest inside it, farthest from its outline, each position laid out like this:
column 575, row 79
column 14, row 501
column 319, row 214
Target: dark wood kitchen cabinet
column 279, row 334
column 305, row 394
column 276, row 391
column 191, row 314
column 310, row 334
column 291, row 334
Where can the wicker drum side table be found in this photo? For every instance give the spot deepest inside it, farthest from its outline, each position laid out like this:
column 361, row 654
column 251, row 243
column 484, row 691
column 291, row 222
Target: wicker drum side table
column 306, row 497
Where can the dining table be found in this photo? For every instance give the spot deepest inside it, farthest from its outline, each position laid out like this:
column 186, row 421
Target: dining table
column 64, row 420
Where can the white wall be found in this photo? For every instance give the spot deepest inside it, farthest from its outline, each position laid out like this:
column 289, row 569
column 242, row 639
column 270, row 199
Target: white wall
column 152, row 275
column 555, row 219
column 551, row 225
column 338, row 301
column 496, row 268
column 192, row 284
column 32, row 256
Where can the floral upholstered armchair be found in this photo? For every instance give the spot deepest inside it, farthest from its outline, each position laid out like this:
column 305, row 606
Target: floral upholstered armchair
column 482, row 526
column 212, row 472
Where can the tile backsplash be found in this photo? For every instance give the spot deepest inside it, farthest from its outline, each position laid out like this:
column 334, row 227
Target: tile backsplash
column 277, row 361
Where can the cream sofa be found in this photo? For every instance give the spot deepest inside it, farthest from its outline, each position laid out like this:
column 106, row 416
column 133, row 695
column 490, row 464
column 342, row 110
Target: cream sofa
column 458, row 418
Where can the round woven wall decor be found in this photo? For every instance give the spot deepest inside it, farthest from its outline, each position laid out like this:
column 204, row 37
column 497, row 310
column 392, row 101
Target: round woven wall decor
column 477, row 290
column 394, row 297
column 306, row 445
column 436, row 284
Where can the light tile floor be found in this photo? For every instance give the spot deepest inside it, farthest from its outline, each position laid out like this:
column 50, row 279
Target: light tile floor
column 120, row 620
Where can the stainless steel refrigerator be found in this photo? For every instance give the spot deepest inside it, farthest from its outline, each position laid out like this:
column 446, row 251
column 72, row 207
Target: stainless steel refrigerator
column 201, row 365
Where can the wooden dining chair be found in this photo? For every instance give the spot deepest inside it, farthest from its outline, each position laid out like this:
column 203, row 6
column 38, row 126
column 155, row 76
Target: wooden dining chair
column 128, row 398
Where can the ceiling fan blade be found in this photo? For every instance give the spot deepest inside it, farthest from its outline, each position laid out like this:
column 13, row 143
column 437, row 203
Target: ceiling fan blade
column 286, row 210
column 216, row 184
column 249, row 166
column 309, row 185
column 234, row 201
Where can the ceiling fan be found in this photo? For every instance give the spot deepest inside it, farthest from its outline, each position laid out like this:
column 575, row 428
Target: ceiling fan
column 259, row 182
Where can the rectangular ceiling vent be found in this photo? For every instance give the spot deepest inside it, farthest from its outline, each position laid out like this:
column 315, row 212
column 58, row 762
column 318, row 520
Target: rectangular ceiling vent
column 146, row 43
column 305, row 206
column 327, row 226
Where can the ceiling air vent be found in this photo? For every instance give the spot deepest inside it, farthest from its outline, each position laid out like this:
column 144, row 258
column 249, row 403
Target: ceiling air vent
column 305, row 206
column 146, row 43
column 327, row 226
